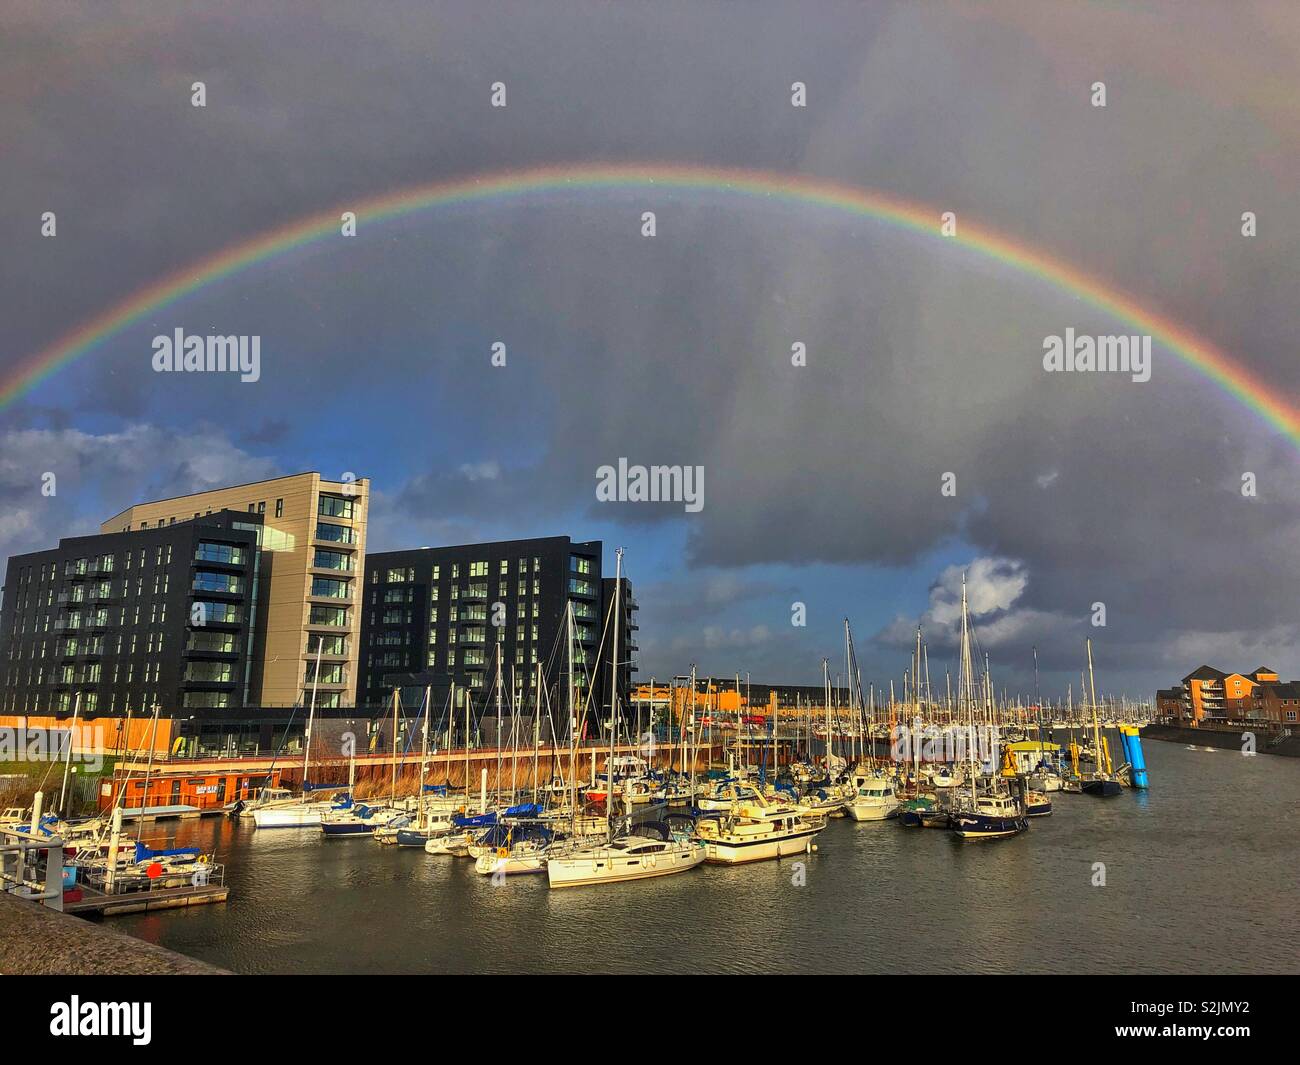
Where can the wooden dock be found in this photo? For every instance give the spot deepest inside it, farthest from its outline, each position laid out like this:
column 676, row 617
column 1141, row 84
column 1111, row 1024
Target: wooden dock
column 94, row 901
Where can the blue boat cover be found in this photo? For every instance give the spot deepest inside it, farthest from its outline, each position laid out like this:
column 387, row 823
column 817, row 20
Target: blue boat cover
column 502, row 835
column 436, row 789
column 478, row 821
column 527, row 809
column 142, row 852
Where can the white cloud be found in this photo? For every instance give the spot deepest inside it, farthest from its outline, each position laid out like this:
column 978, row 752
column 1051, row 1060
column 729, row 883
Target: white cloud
column 481, row 471
column 993, row 588
column 97, row 475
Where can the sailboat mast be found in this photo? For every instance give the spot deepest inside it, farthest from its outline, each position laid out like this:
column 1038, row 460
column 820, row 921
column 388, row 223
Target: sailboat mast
column 67, row 761
column 826, row 684
column 848, row 673
column 965, row 693
column 1092, row 698
column 311, row 712
column 617, row 608
column 537, row 727
column 396, row 703
column 424, row 751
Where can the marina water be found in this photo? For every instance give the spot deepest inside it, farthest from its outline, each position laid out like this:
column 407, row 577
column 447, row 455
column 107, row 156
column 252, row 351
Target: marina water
column 1200, row 876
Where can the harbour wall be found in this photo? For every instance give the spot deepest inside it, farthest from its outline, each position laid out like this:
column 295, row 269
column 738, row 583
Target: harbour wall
column 1225, row 739
column 38, row 941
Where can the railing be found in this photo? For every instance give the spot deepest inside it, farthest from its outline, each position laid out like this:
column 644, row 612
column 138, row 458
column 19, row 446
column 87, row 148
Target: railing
column 134, row 884
column 25, row 874
column 218, row 587
column 219, row 558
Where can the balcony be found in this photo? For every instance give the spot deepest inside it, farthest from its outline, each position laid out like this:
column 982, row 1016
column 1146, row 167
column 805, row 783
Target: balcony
column 320, row 593
column 328, row 621
column 327, row 679
column 234, row 558
column 84, row 649
column 209, row 682
column 203, row 585
column 213, row 617
column 97, row 593
column 334, row 536
column 328, row 654
column 75, row 678
column 195, row 648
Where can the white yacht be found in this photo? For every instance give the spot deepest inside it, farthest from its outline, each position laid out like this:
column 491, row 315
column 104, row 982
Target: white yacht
column 876, row 799
column 290, row 813
column 631, row 857
column 520, row 856
column 756, row 828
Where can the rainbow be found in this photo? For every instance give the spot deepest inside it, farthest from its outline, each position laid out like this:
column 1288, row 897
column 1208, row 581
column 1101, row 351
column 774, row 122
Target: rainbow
column 1228, row 374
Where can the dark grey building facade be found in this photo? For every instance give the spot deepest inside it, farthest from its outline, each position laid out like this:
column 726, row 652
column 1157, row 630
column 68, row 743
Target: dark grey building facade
column 126, row 620
column 437, row 616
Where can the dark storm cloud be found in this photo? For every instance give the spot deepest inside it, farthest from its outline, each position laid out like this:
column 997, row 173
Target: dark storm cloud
column 923, row 359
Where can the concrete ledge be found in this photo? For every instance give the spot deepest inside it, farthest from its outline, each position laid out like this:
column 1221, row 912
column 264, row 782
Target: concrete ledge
column 1224, row 739
column 37, row 941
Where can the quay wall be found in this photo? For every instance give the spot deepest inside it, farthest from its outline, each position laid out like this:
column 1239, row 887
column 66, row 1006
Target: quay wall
column 38, row 941
column 1223, row 739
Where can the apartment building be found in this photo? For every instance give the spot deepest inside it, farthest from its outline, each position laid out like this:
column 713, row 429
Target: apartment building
column 119, row 622
column 435, row 616
column 310, row 552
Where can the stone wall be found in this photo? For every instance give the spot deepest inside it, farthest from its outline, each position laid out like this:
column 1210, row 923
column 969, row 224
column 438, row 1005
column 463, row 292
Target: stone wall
column 38, row 941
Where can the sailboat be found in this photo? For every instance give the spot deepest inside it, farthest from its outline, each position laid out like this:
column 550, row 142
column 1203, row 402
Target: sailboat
column 281, row 811
column 993, row 814
column 456, row 839
column 1099, row 783
column 874, row 797
column 627, row 856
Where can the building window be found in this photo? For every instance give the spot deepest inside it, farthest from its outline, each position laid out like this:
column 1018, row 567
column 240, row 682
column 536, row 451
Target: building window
column 279, row 508
column 335, row 616
column 329, row 588
column 324, row 559
column 337, row 534
column 332, row 506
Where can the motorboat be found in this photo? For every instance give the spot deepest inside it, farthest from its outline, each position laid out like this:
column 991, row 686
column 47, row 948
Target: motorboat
column 1037, row 804
column 757, row 828
column 875, row 798
column 361, row 820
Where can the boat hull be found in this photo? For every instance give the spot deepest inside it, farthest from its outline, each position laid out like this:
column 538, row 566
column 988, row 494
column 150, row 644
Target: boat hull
column 289, row 816
column 358, row 828
column 457, row 846
column 513, row 865
column 586, row 871
column 871, row 811
column 987, row 826
column 734, row 852
column 1102, row 789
